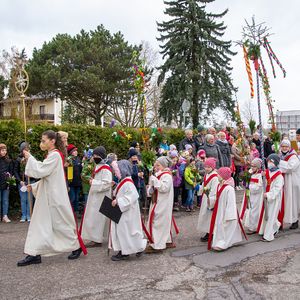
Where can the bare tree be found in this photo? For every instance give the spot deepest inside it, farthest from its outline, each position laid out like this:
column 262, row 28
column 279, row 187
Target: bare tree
column 248, row 111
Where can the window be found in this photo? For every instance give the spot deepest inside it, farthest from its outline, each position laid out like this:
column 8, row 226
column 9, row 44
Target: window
column 42, row 109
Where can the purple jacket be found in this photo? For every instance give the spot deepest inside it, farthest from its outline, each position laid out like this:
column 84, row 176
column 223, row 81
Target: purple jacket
column 176, row 175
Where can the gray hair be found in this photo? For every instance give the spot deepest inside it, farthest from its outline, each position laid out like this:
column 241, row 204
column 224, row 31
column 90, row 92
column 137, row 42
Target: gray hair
column 165, row 161
column 208, row 137
column 125, row 168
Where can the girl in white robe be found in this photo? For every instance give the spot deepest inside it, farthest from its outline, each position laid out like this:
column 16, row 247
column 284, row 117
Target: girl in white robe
column 268, row 224
column 209, row 186
column 127, row 236
column 225, row 228
column 290, row 167
column 250, row 215
column 52, row 229
column 93, row 223
column 160, row 212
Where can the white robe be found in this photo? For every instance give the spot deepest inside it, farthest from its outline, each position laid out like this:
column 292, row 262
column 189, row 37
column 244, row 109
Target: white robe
column 291, row 171
column 52, row 228
column 205, row 212
column 227, row 230
column 127, row 236
column 161, row 226
column 252, row 213
column 94, row 222
column 271, row 226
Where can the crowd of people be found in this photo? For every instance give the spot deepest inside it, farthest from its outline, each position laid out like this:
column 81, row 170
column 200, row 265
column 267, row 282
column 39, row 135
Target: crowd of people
column 202, row 173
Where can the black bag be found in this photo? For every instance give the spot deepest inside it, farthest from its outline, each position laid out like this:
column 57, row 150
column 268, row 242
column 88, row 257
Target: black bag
column 112, row 212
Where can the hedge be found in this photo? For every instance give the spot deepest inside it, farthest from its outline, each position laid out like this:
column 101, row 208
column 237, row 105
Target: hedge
column 82, row 136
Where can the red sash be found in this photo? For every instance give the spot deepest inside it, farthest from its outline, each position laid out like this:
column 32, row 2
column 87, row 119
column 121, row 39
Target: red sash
column 152, row 213
column 207, row 181
column 269, row 181
column 214, row 215
column 82, row 246
column 104, row 167
column 245, row 199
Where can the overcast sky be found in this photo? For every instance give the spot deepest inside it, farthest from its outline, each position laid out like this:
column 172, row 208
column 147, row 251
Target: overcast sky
column 28, row 23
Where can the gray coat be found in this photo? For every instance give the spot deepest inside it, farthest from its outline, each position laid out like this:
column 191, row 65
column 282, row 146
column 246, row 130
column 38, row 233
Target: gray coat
column 213, row 151
column 225, row 153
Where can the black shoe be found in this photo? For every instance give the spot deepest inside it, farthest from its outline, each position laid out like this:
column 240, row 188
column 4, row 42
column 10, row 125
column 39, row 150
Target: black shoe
column 294, row 225
column 75, row 254
column 139, row 254
column 119, row 257
column 29, row 260
column 204, row 238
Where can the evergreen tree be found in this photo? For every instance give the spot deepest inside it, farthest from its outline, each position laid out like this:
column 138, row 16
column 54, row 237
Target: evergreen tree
column 197, row 61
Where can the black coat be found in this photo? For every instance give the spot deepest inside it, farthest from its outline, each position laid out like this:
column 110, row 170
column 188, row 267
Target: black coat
column 6, row 165
column 225, row 153
column 77, row 169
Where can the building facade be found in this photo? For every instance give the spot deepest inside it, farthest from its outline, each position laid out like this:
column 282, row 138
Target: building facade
column 38, row 109
column 287, row 120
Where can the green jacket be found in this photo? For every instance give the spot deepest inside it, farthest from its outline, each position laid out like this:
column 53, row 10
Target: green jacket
column 86, row 175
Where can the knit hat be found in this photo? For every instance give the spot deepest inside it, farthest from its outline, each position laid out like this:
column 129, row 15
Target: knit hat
column 173, row 153
column 132, row 152
column 200, row 128
column 100, row 151
column 210, row 162
column 225, row 173
column 285, row 142
column 201, row 153
column 3, row 146
column 257, row 162
column 274, row 158
column 298, row 131
column 188, row 147
column 71, row 148
column 165, row 161
column 23, row 145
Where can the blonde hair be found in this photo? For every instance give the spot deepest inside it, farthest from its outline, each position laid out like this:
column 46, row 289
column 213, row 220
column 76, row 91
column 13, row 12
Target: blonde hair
column 63, row 134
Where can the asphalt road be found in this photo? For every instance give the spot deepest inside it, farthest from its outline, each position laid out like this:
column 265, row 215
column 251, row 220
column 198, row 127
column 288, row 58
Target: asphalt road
column 252, row 270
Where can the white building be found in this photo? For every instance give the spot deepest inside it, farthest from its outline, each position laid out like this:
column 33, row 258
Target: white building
column 287, row 120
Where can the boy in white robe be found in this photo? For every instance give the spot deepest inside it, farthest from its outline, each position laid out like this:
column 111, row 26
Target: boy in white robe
column 268, row 224
column 52, row 229
column 93, row 223
column 209, row 193
column 160, row 212
column 225, row 227
column 290, row 168
column 250, row 215
column 127, row 236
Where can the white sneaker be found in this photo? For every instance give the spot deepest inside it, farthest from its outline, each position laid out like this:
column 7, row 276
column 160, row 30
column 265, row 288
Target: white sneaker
column 22, row 220
column 6, row 219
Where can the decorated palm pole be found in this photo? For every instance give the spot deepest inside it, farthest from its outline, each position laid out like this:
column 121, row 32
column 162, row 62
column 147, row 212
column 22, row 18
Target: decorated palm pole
column 254, row 37
column 21, row 86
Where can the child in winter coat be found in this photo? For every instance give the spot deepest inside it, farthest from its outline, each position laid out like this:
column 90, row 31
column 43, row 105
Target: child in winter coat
column 75, row 182
column 190, row 178
column 176, row 181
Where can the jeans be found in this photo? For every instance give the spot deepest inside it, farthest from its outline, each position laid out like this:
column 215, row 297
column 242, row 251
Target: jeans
column 85, row 197
column 4, row 201
column 176, row 195
column 74, row 197
column 190, row 198
column 25, row 205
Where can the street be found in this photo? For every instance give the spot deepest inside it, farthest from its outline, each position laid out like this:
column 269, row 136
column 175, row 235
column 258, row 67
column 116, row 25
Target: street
column 252, row 270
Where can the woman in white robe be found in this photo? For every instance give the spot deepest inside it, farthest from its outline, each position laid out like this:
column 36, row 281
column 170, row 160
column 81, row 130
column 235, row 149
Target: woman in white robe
column 127, row 236
column 290, row 167
column 268, row 228
column 93, row 222
column 250, row 217
column 225, row 229
column 160, row 212
column 52, row 229
column 210, row 184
